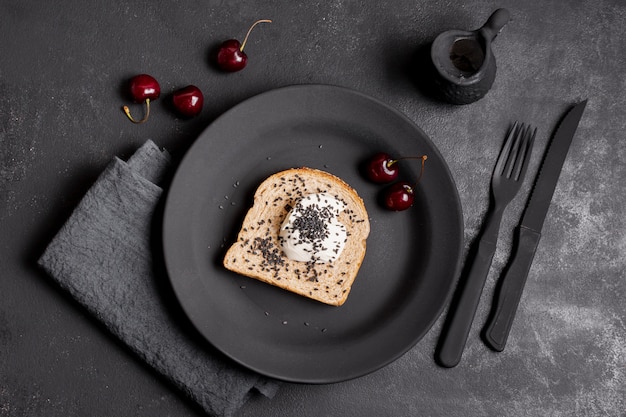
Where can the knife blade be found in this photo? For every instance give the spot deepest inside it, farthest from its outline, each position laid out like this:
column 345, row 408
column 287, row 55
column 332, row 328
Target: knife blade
column 511, row 284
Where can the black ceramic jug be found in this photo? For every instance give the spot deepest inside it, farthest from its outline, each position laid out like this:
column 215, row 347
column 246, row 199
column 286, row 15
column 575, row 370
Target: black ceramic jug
column 464, row 64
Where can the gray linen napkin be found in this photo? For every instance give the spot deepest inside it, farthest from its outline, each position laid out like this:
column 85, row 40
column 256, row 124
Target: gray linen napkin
column 103, row 256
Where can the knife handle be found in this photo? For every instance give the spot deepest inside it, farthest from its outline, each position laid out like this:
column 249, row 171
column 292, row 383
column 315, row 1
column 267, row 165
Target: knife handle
column 509, row 289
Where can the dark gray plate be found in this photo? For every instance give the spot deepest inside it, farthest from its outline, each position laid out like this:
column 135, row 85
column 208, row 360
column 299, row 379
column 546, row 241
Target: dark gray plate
column 412, row 256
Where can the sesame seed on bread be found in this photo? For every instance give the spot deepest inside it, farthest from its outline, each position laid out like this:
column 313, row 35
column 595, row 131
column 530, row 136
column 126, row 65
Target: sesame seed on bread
column 257, row 251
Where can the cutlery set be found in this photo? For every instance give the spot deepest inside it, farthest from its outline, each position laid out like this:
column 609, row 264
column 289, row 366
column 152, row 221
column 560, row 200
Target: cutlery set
column 506, row 181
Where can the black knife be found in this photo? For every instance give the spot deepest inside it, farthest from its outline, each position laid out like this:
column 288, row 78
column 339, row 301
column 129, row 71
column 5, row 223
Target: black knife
column 511, row 284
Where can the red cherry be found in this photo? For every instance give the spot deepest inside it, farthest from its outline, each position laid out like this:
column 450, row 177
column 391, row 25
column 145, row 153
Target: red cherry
column 230, row 56
column 399, row 196
column 188, row 101
column 382, row 168
column 143, row 88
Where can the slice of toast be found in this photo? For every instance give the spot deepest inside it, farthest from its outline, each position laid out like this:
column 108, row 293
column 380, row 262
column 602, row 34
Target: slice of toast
column 257, row 253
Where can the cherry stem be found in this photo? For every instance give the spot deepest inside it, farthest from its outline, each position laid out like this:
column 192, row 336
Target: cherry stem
column 423, row 158
column 145, row 117
column 250, row 30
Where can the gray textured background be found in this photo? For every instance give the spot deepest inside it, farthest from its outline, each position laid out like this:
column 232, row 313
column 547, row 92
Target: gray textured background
column 62, row 70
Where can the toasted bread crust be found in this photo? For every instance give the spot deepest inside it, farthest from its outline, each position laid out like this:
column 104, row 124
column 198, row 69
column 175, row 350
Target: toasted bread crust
column 257, row 252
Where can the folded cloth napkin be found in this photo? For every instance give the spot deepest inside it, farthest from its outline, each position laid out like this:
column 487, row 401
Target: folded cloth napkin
column 103, row 256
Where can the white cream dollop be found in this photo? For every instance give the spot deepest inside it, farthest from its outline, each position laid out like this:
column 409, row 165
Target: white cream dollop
column 311, row 232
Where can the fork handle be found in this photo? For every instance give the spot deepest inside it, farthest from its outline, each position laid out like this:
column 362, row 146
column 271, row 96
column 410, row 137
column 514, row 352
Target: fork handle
column 509, row 289
column 459, row 320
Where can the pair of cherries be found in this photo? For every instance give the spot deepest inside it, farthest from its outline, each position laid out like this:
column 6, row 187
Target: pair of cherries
column 144, row 88
column 383, row 169
column 188, row 101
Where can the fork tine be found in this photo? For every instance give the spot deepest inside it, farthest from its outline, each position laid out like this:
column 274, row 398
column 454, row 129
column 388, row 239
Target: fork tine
column 516, row 158
column 513, row 156
column 523, row 160
column 506, row 149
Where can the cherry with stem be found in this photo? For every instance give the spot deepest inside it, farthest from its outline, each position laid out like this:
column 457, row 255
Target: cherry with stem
column 382, row 168
column 230, row 56
column 401, row 195
column 143, row 88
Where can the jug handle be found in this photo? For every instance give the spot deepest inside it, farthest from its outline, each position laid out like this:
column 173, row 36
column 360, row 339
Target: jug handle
column 495, row 23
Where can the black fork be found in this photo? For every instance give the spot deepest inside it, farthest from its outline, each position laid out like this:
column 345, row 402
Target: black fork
column 506, row 181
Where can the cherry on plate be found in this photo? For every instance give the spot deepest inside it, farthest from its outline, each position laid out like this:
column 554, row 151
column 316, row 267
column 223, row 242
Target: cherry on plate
column 382, row 168
column 399, row 196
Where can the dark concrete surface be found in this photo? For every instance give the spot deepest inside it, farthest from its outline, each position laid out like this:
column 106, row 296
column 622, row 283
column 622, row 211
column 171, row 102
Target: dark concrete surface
column 63, row 66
